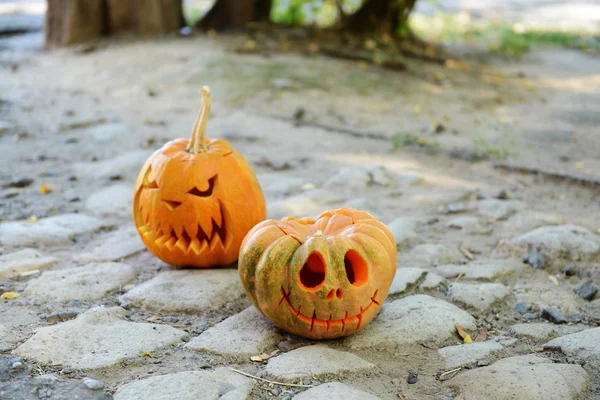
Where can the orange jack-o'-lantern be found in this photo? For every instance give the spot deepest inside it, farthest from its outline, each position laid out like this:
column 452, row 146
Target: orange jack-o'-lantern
column 319, row 279
column 195, row 200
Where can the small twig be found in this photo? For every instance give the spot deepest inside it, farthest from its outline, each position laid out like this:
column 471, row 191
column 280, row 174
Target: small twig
column 459, row 276
column 452, row 371
column 268, row 381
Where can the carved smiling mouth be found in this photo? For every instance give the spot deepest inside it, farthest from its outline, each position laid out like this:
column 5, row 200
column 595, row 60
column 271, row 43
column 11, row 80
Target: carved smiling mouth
column 186, row 242
column 328, row 322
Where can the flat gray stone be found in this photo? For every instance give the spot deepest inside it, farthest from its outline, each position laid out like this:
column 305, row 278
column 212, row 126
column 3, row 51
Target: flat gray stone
column 89, row 282
column 116, row 199
column 187, row 291
column 499, row 209
column 522, row 377
column 482, row 270
column 17, row 322
column 95, row 339
column 314, row 361
column 51, row 230
column 563, row 241
column 113, row 246
column 241, row 336
column 279, row 183
column 467, row 224
column 404, row 230
column 310, row 203
column 22, row 261
column 526, row 221
column 406, row 278
column 429, row 254
column 410, row 320
column 104, row 133
column 220, row 384
column 356, row 178
column 584, row 345
column 127, row 165
column 466, row 354
column 481, row 296
column 543, row 330
column 544, row 295
column 334, row 391
column 433, row 281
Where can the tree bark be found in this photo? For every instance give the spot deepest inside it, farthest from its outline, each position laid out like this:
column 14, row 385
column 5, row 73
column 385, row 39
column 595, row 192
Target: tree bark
column 231, row 14
column 78, row 21
column 73, row 21
column 379, row 16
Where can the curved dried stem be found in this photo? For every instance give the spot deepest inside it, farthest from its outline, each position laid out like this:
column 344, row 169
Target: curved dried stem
column 196, row 144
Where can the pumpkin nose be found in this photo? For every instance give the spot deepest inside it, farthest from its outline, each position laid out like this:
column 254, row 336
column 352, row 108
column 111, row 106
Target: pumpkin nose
column 171, row 205
column 334, row 293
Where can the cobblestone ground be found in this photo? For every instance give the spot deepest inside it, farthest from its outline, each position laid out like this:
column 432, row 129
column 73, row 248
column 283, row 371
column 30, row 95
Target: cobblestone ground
column 512, row 257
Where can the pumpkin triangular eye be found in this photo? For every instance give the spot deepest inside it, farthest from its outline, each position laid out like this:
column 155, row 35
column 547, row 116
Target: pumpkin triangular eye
column 205, row 193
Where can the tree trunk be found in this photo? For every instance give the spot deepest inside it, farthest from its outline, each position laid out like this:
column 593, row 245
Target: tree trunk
column 73, row 21
column 231, row 14
column 78, row 21
column 380, row 16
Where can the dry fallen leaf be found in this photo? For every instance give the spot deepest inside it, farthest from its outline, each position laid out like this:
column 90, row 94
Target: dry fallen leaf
column 9, row 296
column 579, row 165
column 461, row 332
column 482, row 335
column 417, row 110
column 256, row 358
column 146, row 354
column 33, row 219
column 467, row 339
column 45, row 189
column 553, row 279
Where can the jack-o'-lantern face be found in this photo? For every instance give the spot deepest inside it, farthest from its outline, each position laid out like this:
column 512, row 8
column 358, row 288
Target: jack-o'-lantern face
column 194, row 209
column 319, row 279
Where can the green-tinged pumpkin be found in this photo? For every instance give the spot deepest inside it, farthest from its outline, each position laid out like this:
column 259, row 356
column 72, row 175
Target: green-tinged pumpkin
column 320, row 279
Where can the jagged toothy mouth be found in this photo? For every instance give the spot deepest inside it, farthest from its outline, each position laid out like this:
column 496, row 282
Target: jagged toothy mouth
column 329, row 322
column 186, row 242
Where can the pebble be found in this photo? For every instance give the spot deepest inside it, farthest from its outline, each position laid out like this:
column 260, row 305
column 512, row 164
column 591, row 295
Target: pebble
column 412, row 378
column 553, row 315
column 93, row 384
column 531, row 316
column 17, row 365
column 483, row 270
column 61, row 316
column 499, row 209
column 522, row 308
column 535, row 259
column 570, row 270
column 430, row 254
column 586, row 290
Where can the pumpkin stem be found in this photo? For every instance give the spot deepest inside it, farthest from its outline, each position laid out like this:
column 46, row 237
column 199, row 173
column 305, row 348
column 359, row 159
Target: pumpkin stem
column 196, row 144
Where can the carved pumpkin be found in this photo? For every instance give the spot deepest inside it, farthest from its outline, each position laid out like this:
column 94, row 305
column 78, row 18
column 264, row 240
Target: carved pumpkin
column 319, row 279
column 195, row 200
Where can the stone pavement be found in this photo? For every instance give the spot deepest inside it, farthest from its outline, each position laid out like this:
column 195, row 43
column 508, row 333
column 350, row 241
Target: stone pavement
column 502, row 254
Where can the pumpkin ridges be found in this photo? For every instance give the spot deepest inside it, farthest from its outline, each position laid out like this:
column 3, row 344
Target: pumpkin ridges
column 327, row 304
